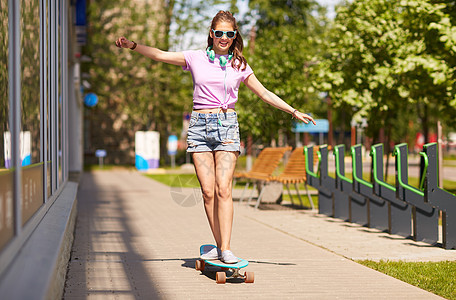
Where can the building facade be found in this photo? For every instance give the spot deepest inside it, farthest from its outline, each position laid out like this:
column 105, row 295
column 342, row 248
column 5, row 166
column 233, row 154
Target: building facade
column 40, row 117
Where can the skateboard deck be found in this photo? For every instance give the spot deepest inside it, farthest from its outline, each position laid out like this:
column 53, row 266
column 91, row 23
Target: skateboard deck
column 233, row 268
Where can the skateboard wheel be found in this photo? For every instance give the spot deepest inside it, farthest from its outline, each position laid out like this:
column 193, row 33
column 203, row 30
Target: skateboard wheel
column 199, row 265
column 220, row 277
column 249, row 277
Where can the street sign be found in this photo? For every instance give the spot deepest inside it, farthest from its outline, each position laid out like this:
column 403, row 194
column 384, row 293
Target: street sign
column 90, row 99
column 172, row 145
column 100, row 153
column 147, row 149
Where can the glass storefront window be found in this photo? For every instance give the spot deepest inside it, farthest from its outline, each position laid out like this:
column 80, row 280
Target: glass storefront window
column 30, row 81
column 60, row 93
column 32, row 171
column 32, row 122
column 6, row 175
column 5, row 149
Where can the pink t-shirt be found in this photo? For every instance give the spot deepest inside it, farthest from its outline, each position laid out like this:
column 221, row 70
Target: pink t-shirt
column 208, row 80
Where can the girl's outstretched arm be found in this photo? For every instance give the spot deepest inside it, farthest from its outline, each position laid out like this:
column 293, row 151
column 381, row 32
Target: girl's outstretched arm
column 174, row 58
column 269, row 97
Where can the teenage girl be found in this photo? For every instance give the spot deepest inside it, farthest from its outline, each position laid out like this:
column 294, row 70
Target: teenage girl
column 213, row 134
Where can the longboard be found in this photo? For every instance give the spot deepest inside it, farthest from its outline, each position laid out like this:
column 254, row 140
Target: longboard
column 232, row 268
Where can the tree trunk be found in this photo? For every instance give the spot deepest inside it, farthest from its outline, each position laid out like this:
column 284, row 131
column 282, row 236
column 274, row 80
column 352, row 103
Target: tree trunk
column 342, row 129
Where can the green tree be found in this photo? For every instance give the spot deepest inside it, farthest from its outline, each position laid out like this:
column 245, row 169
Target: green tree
column 135, row 92
column 286, row 34
column 389, row 62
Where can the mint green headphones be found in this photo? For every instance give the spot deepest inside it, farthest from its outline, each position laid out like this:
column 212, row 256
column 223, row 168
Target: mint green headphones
column 222, row 59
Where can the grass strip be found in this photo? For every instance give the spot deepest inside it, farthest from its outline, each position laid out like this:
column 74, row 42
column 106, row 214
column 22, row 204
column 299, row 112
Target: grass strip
column 436, row 277
column 107, row 167
column 176, row 180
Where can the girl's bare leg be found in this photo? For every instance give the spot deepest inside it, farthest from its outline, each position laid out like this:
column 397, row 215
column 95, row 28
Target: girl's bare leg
column 225, row 163
column 204, row 163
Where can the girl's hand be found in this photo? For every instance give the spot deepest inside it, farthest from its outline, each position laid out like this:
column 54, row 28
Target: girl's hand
column 124, row 43
column 304, row 117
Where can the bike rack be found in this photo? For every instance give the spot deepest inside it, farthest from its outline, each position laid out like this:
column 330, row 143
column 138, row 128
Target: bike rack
column 347, row 204
column 326, row 201
column 322, row 182
column 377, row 207
column 401, row 209
column 425, row 217
column 438, row 197
column 400, row 213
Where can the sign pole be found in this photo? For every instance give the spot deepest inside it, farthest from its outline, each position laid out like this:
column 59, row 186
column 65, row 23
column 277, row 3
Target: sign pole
column 172, row 149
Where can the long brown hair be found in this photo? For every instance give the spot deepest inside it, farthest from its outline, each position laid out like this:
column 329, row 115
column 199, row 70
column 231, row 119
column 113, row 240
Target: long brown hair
column 236, row 47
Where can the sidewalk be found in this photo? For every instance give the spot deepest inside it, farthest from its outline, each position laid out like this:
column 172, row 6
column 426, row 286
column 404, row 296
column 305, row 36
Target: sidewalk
column 134, row 241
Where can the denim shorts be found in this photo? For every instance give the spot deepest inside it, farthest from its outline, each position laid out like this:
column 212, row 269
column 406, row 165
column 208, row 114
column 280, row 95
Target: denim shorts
column 213, row 132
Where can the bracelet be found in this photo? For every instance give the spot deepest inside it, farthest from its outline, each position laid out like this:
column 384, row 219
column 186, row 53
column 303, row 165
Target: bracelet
column 134, row 46
column 293, row 114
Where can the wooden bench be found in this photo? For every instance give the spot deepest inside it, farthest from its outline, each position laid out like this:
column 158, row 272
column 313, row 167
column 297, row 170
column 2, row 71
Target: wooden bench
column 262, row 169
column 295, row 173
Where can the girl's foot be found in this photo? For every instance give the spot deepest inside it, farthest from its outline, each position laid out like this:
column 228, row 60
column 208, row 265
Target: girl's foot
column 213, row 254
column 228, row 257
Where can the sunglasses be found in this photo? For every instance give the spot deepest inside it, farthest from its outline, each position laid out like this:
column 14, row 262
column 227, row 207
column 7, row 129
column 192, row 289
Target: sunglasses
column 220, row 33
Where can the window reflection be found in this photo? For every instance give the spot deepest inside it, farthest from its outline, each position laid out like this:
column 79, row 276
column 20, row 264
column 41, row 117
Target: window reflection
column 6, row 176
column 42, row 123
column 5, row 149
column 30, row 81
column 47, row 100
column 32, row 171
column 60, row 97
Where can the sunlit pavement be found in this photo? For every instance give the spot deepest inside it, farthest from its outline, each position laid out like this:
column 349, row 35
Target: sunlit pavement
column 139, row 239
